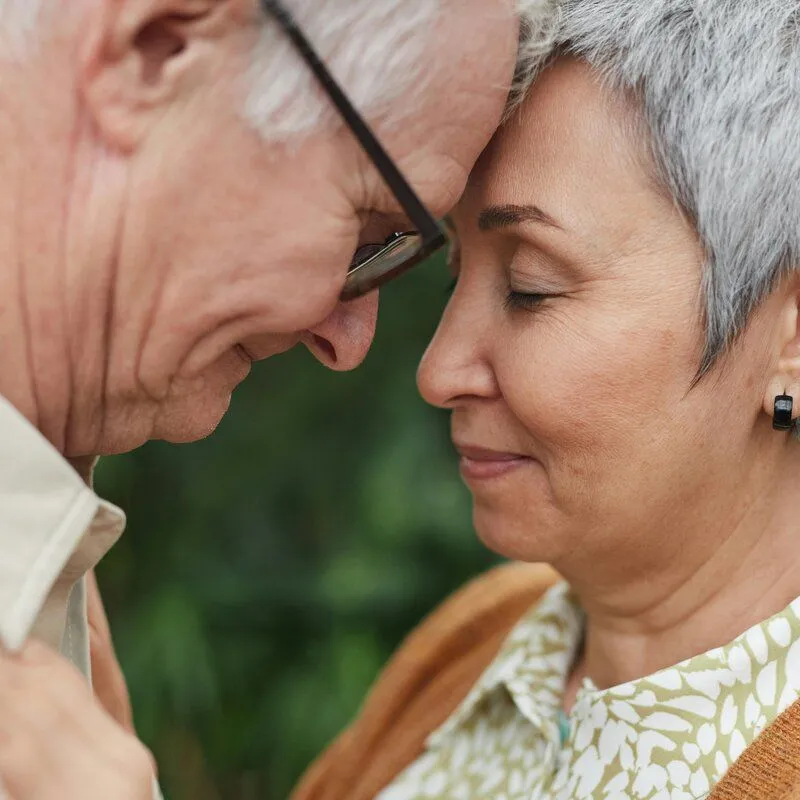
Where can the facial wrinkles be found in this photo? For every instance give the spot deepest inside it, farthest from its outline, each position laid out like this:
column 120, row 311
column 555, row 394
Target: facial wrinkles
column 60, row 300
column 91, row 252
column 44, row 294
column 17, row 380
column 113, row 305
column 242, row 298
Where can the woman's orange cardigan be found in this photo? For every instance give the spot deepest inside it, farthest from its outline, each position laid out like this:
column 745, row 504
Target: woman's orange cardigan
column 440, row 661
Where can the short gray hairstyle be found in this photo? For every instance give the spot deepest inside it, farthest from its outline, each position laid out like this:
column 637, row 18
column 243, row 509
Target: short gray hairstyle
column 718, row 82
column 378, row 51
column 539, row 27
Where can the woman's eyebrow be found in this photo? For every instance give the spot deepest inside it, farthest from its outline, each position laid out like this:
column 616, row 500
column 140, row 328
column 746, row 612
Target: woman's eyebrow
column 495, row 217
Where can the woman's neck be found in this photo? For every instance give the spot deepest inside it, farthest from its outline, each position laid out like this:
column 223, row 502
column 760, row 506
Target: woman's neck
column 698, row 599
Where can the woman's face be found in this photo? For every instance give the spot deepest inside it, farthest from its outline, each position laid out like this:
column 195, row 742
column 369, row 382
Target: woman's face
column 569, row 348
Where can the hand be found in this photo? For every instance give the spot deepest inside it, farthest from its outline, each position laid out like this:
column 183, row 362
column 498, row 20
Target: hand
column 107, row 677
column 57, row 742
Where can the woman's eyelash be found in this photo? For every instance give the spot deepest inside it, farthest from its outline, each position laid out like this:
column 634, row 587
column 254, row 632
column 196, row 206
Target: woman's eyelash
column 515, row 301
column 522, row 301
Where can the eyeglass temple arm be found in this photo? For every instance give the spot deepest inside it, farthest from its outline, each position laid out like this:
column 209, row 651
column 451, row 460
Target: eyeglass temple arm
column 412, row 205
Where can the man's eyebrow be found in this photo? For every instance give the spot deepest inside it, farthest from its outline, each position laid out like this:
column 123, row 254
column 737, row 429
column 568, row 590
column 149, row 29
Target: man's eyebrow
column 495, row 217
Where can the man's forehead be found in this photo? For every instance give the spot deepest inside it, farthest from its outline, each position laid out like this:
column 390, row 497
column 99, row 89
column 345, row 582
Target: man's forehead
column 463, row 103
column 479, row 42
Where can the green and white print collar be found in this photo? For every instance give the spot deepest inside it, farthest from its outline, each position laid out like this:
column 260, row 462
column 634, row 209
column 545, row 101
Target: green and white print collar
column 669, row 736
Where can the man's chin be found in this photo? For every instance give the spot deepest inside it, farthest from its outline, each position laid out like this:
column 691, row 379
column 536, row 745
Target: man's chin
column 192, row 414
column 192, row 421
column 192, row 411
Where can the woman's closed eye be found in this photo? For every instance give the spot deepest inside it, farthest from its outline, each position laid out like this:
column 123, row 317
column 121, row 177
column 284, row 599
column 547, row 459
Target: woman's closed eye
column 514, row 300
column 525, row 301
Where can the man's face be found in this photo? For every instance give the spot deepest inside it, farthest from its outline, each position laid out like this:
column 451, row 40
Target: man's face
column 232, row 249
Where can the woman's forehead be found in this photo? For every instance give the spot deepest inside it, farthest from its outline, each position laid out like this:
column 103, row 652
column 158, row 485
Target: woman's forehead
column 570, row 149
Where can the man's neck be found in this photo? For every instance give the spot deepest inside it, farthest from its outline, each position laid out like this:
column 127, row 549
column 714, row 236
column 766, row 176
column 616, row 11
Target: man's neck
column 655, row 620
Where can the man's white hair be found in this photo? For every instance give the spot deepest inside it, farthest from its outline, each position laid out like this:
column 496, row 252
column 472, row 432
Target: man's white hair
column 718, row 83
column 377, row 50
column 380, row 52
column 374, row 49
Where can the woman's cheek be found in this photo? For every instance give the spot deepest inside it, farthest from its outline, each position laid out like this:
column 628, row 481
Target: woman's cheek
column 547, row 384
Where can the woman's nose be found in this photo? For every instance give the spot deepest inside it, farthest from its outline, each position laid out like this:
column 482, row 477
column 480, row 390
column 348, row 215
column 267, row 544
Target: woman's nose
column 342, row 341
column 455, row 367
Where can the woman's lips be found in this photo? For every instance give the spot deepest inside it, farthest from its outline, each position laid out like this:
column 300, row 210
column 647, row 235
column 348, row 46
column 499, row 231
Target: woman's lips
column 479, row 463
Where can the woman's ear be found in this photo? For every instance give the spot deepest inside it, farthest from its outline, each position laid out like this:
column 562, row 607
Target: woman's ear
column 786, row 375
column 142, row 56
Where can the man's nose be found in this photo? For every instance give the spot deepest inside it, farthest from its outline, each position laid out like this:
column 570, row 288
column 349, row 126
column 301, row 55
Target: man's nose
column 342, row 341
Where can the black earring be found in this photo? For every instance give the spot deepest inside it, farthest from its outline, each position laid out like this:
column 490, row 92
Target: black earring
column 782, row 420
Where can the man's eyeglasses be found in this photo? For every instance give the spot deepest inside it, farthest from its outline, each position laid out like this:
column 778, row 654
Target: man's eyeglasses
column 374, row 265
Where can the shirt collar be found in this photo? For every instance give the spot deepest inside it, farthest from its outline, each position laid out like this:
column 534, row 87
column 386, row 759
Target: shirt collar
column 53, row 528
column 702, row 712
column 533, row 665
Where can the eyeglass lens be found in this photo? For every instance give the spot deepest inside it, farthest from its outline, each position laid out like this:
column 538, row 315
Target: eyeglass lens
column 375, row 265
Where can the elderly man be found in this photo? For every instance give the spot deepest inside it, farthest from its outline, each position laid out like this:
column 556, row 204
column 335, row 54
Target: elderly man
column 184, row 189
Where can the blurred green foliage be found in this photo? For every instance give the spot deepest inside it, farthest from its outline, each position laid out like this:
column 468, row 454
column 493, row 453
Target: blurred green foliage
column 268, row 573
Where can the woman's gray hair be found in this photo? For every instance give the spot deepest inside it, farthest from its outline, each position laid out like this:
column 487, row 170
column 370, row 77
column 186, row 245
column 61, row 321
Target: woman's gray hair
column 718, row 82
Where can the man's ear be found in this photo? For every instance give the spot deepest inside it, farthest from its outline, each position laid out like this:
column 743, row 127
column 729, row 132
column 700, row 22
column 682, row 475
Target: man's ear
column 786, row 376
column 143, row 55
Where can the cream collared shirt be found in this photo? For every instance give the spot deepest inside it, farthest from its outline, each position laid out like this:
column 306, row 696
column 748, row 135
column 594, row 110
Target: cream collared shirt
column 53, row 530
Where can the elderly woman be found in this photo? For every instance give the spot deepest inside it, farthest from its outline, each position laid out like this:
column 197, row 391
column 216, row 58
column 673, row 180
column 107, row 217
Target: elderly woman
column 621, row 357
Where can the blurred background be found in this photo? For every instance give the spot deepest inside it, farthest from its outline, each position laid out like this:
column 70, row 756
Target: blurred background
column 269, row 572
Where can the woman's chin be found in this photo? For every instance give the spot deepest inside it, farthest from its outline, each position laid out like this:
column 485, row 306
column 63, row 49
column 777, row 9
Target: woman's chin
column 517, row 537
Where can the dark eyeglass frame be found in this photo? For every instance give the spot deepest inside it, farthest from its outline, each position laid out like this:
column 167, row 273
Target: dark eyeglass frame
column 401, row 251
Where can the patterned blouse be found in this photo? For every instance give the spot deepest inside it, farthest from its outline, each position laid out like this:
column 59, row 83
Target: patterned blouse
column 669, row 736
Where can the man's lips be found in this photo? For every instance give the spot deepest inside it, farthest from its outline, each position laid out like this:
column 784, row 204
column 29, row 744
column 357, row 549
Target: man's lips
column 481, row 463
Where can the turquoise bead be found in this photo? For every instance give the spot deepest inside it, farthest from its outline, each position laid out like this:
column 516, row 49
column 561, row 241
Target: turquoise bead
column 563, row 727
